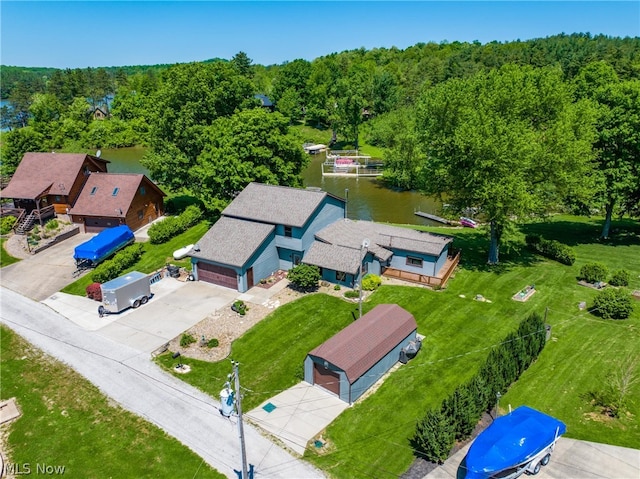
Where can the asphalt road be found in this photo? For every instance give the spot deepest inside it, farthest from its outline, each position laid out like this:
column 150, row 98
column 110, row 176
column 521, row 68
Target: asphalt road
column 127, row 376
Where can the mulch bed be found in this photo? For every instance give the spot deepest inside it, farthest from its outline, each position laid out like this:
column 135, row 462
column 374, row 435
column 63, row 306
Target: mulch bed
column 271, row 280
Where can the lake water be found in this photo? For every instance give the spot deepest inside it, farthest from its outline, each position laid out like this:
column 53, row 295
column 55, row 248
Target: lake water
column 367, row 198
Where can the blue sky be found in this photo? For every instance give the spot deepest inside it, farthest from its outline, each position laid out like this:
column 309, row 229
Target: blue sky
column 80, row 34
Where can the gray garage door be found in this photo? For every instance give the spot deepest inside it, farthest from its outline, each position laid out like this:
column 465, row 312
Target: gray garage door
column 95, row 225
column 217, row 275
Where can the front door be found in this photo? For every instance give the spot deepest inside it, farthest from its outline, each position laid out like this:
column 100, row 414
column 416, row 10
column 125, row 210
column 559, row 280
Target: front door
column 250, row 278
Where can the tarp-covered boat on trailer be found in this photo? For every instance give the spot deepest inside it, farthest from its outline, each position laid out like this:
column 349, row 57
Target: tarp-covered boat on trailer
column 518, row 442
column 103, row 245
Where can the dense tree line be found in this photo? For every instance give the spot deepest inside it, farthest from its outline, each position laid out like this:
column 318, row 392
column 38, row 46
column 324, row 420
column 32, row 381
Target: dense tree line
column 510, row 129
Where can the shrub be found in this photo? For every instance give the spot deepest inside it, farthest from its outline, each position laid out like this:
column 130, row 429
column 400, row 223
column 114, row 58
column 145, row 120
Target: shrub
column 52, row 225
column 94, row 292
column 164, row 230
column 620, row 278
column 110, row 269
column 434, row 436
column 551, row 249
column 352, row 294
column 186, row 339
column 304, row 276
column 213, row 343
column 613, row 304
column 7, row 223
column 371, row 282
column 336, row 287
column 593, row 272
column 239, row 307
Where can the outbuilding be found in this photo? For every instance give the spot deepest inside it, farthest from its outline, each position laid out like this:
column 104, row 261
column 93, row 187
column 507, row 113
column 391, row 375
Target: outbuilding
column 350, row 362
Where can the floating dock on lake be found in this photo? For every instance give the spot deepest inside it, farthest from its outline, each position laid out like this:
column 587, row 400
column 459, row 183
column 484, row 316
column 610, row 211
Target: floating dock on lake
column 437, row 219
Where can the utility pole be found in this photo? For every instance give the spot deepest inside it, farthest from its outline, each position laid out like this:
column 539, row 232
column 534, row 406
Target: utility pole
column 245, row 474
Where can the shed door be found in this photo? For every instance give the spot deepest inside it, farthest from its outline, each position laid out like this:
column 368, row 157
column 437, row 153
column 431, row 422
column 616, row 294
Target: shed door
column 326, row 378
column 217, row 275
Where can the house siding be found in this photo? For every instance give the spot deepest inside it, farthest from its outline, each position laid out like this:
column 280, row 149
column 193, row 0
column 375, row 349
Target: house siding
column 399, row 261
column 150, row 204
column 264, row 262
column 330, row 275
column 368, row 379
column 286, row 256
column 331, row 210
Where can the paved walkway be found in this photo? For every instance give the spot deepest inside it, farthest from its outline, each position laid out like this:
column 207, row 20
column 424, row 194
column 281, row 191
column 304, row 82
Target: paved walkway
column 127, row 376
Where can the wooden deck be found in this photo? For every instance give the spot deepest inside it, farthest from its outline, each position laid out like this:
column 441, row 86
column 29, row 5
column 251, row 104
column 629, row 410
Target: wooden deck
column 439, row 281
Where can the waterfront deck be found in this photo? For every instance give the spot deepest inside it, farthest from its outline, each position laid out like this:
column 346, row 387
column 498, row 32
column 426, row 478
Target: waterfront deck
column 439, row 281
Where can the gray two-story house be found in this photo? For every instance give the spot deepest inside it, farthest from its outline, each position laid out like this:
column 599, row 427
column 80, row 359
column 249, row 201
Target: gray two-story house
column 264, row 229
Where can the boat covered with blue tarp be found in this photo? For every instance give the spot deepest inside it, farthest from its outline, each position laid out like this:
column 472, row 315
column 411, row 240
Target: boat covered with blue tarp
column 103, row 245
column 512, row 443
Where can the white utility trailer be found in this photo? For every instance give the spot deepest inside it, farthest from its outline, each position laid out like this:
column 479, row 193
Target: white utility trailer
column 127, row 291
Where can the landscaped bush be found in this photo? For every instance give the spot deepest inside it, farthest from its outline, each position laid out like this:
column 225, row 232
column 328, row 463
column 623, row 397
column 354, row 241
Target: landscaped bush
column 304, row 276
column 239, row 307
column 352, row 294
column 94, row 292
column 186, row 340
column 551, row 249
column 594, row 272
column 110, row 269
column 6, row 224
column 213, row 343
column 620, row 278
column 166, row 229
column 613, row 304
column 461, row 411
column 52, row 225
column 371, row 282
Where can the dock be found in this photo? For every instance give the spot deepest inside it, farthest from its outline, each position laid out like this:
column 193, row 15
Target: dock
column 435, row 218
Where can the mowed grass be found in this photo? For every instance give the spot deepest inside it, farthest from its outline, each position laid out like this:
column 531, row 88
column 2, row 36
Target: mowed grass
column 5, row 258
column 66, row 422
column 371, row 439
column 153, row 258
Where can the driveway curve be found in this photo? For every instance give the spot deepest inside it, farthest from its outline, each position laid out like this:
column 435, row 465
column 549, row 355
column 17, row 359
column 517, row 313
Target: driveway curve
column 127, row 376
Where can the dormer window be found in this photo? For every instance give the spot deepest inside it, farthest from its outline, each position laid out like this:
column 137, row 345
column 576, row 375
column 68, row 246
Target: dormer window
column 93, row 191
column 115, row 191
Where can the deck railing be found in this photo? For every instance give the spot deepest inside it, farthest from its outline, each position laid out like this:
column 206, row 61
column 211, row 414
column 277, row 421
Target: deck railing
column 433, row 281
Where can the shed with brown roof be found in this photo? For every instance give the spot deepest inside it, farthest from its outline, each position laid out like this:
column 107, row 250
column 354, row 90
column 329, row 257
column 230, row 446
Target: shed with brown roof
column 112, row 199
column 350, row 362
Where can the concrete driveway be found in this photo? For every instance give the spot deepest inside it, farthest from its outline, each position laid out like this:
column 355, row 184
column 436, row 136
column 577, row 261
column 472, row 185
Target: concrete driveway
column 42, row 274
column 572, row 459
column 298, row 414
column 174, row 307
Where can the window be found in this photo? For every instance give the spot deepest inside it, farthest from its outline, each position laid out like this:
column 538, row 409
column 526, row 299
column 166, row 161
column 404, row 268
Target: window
column 288, row 232
column 58, row 199
column 142, row 190
column 411, row 261
column 93, row 190
column 341, row 276
column 115, row 191
column 140, row 214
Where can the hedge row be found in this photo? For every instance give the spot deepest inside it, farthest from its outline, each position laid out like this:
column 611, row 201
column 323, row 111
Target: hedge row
column 164, row 230
column 458, row 415
column 112, row 268
column 551, row 249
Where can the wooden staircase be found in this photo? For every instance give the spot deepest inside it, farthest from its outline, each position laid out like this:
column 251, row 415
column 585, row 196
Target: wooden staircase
column 24, row 225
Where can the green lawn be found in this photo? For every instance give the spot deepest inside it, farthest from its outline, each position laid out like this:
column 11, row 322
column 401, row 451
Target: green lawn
column 308, row 134
column 5, row 258
column 372, row 437
column 153, row 258
column 67, row 422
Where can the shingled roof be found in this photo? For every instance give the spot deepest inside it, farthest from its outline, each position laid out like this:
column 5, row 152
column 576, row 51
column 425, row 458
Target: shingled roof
column 346, row 236
column 232, row 241
column 97, row 197
column 277, row 205
column 39, row 171
column 359, row 346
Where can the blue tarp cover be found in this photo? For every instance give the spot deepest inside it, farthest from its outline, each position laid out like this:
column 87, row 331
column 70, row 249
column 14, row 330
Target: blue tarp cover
column 511, row 440
column 103, row 244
